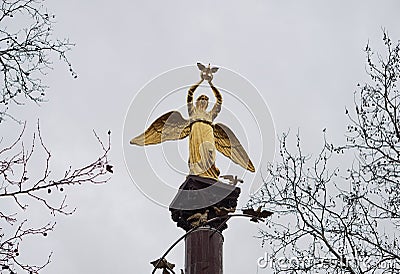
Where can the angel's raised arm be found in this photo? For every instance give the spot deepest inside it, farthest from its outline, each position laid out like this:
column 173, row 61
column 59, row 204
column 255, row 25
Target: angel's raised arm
column 190, row 97
column 217, row 106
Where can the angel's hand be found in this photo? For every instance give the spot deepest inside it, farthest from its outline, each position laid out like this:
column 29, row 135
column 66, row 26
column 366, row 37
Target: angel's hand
column 203, row 76
column 206, row 75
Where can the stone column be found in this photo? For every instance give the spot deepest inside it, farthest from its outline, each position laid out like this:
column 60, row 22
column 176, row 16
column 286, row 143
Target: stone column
column 203, row 251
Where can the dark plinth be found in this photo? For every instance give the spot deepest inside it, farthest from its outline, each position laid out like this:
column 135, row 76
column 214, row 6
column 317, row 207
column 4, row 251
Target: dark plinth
column 203, row 251
column 196, row 195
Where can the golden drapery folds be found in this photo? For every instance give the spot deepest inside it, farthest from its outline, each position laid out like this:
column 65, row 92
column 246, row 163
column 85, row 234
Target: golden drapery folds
column 202, row 151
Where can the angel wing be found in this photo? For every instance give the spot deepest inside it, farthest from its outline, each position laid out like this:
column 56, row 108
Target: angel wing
column 227, row 143
column 170, row 126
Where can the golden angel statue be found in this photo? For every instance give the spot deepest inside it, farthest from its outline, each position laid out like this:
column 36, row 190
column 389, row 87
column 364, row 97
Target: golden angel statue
column 205, row 137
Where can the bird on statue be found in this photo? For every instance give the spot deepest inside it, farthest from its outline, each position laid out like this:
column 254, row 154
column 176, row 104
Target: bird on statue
column 223, row 211
column 206, row 72
column 257, row 213
column 233, row 180
column 164, row 265
column 199, row 218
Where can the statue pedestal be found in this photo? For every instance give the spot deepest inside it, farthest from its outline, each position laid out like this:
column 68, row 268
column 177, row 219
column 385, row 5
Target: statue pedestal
column 204, row 245
column 196, row 195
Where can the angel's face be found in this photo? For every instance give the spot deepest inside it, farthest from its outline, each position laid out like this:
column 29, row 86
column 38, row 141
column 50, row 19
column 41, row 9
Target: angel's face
column 202, row 102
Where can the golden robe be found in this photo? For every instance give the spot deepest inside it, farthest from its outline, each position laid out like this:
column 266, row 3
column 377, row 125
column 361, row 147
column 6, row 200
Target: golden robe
column 202, row 151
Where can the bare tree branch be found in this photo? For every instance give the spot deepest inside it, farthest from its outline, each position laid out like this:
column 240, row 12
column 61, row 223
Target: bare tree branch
column 25, row 52
column 342, row 221
column 22, row 188
column 27, row 48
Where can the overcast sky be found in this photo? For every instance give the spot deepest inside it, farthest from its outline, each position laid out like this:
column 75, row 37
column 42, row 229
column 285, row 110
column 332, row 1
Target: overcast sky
column 304, row 57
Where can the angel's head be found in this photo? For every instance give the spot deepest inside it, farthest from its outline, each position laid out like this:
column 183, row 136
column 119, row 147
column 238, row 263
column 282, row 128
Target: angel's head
column 202, row 102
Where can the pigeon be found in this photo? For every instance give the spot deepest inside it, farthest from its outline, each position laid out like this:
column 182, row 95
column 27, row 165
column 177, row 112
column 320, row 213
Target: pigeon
column 206, row 72
column 222, row 211
column 233, row 180
column 257, row 213
column 164, row 264
column 200, row 218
